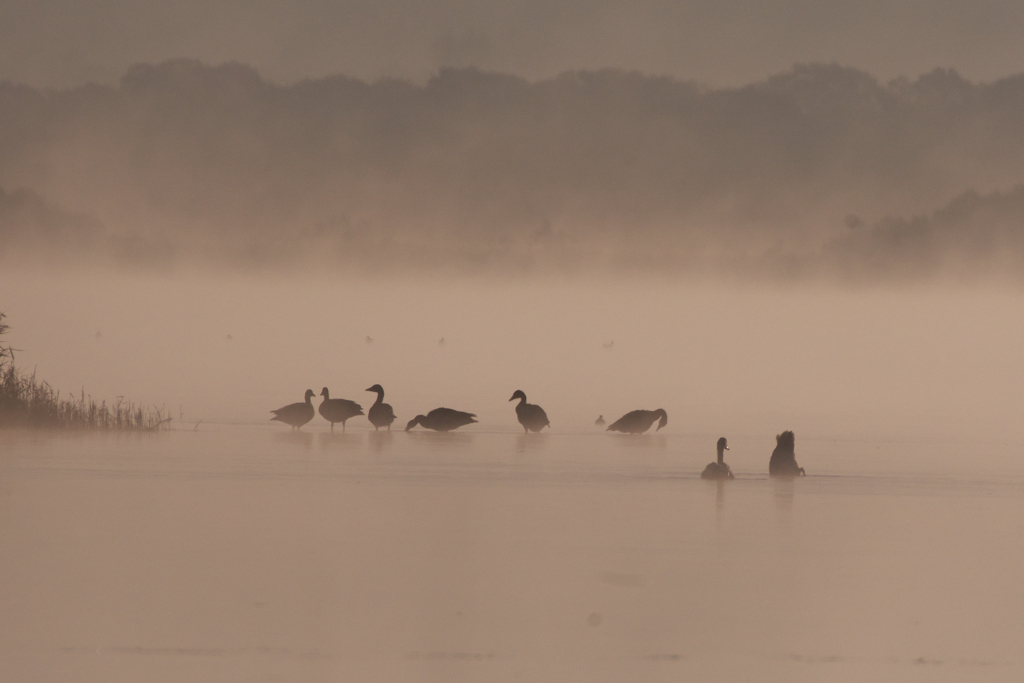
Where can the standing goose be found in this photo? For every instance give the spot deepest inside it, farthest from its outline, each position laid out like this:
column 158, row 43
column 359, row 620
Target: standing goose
column 338, row 409
column 296, row 414
column 639, row 421
column 442, row 420
column 381, row 414
column 532, row 417
column 718, row 470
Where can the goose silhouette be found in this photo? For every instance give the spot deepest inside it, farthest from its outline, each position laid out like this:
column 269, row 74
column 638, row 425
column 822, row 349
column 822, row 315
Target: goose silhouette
column 599, row 421
column 338, row 409
column 296, row 414
column 718, row 470
column 380, row 414
column 783, row 460
column 442, row 420
column 531, row 416
column 639, row 421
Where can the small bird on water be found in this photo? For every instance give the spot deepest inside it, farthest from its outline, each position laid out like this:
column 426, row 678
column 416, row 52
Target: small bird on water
column 442, row 420
column 338, row 409
column 639, row 421
column 296, row 414
column 599, row 421
column 531, row 416
column 381, row 414
column 718, row 469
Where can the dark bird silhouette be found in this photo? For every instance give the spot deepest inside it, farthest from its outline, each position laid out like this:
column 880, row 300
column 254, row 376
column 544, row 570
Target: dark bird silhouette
column 639, row 421
column 442, row 420
column 599, row 421
column 532, row 417
column 338, row 409
column 296, row 414
column 718, row 470
column 381, row 414
column 783, row 461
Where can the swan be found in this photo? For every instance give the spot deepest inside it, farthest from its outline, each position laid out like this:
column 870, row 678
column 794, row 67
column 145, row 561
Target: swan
column 381, row 414
column 338, row 409
column 639, row 421
column 532, row 417
column 718, row 470
column 783, row 461
column 442, row 420
column 296, row 414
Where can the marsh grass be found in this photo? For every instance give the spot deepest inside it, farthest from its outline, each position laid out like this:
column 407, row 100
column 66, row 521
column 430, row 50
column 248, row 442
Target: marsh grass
column 26, row 401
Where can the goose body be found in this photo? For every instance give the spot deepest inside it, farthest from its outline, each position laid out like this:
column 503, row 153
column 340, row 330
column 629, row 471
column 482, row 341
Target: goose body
column 531, row 416
column 442, row 420
column 639, row 421
column 296, row 414
column 783, row 461
column 381, row 414
column 718, row 470
column 338, row 409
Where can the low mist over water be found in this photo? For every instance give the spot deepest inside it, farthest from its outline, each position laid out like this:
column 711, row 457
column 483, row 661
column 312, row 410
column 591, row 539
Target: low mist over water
column 449, row 209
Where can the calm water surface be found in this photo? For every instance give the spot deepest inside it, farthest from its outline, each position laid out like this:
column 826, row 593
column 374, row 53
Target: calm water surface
column 248, row 553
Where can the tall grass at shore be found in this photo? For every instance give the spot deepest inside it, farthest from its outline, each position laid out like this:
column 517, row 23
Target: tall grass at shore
column 26, row 401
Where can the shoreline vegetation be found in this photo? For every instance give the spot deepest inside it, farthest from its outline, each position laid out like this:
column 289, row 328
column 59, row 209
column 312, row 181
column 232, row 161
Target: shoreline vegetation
column 27, row 401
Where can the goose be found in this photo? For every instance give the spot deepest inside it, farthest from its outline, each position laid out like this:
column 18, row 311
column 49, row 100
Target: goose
column 338, row 409
column 783, row 460
column 718, row 470
column 532, row 417
column 296, row 414
column 599, row 421
column 639, row 421
column 381, row 414
column 442, row 420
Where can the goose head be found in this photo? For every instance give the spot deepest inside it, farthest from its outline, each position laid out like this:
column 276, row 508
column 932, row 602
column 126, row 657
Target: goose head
column 377, row 388
column 519, row 394
column 326, row 394
column 415, row 421
column 309, row 395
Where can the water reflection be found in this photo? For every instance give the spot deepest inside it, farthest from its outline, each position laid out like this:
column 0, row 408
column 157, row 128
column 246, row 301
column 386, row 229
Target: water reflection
column 329, row 440
column 380, row 441
column 441, row 440
column 298, row 438
column 657, row 442
column 531, row 442
column 784, row 489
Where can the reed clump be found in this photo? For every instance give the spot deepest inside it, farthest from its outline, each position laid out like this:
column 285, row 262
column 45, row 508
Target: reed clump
column 26, row 401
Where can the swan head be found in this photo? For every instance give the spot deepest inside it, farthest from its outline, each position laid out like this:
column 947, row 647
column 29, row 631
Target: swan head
column 519, row 394
column 664, row 419
column 377, row 388
column 415, row 421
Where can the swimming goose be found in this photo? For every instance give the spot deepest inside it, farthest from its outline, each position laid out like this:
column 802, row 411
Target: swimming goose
column 783, row 460
column 296, row 414
column 718, row 470
column 639, row 421
column 599, row 421
column 381, row 414
column 532, row 417
column 338, row 409
column 442, row 420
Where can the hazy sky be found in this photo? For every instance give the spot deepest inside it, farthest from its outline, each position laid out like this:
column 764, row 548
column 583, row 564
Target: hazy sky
column 721, row 42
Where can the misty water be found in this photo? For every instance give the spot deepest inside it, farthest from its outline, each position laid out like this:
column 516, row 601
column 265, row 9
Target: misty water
column 233, row 549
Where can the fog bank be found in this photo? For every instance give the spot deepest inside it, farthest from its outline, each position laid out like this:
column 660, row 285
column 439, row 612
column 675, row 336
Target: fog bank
column 820, row 172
